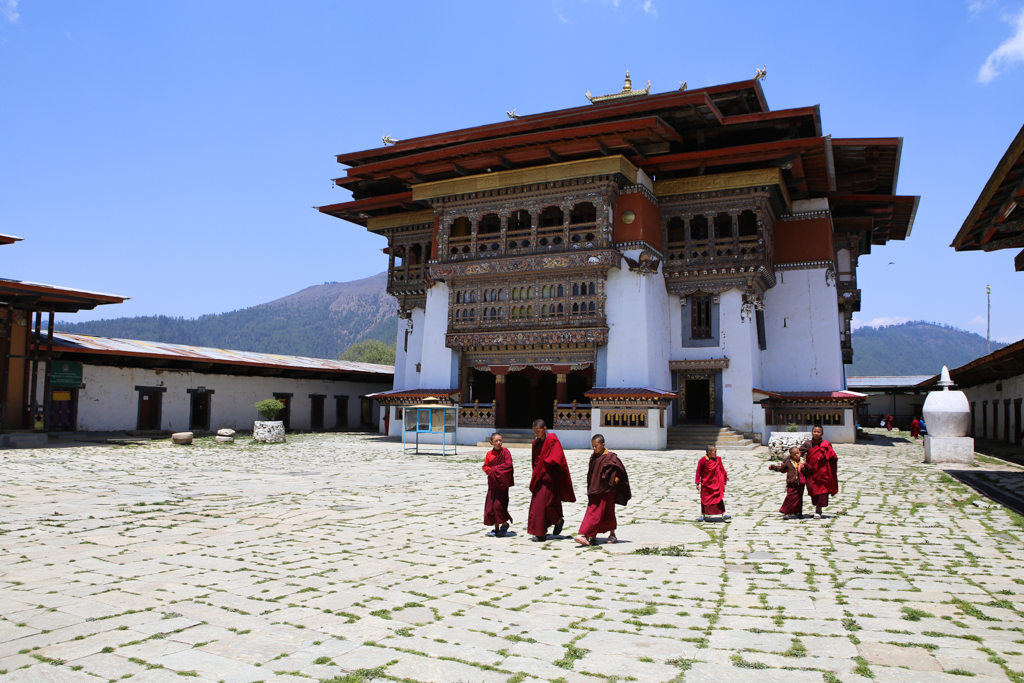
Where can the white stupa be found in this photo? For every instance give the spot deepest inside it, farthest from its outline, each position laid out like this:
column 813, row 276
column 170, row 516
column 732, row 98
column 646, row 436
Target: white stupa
column 947, row 415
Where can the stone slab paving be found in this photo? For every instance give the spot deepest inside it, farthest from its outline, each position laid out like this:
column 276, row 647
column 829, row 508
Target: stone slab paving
column 335, row 555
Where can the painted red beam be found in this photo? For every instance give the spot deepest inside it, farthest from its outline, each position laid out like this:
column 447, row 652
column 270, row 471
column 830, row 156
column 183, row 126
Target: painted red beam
column 733, row 155
column 354, row 208
column 650, row 126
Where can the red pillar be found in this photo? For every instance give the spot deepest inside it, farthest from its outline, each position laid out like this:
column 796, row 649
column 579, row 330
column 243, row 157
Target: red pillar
column 562, row 389
column 500, row 420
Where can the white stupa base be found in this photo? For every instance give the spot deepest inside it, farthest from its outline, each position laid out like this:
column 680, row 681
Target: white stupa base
column 957, row 449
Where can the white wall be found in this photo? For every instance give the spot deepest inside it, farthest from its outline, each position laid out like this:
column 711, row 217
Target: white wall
column 1012, row 388
column 638, row 343
column 437, row 359
column 802, row 331
column 109, row 401
column 652, row 437
column 844, row 433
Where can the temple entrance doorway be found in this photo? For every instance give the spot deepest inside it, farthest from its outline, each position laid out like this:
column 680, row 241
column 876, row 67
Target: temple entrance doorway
column 530, row 396
column 698, row 401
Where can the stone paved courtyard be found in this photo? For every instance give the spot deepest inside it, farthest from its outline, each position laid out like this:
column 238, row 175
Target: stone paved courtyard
column 335, row 556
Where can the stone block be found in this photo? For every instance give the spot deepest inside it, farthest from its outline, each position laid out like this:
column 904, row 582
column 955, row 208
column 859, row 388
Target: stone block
column 182, row 438
column 225, row 432
column 955, row 449
column 268, row 432
column 224, row 439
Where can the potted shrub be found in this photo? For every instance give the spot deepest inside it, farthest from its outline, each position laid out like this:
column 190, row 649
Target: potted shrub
column 268, row 429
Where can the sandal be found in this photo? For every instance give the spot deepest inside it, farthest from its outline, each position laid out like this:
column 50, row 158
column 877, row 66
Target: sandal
column 817, row 516
column 582, row 540
column 557, row 531
column 612, row 539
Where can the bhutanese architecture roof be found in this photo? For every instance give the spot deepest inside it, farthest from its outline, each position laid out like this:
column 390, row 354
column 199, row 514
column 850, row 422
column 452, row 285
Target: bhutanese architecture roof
column 884, row 382
column 9, row 239
column 997, row 219
column 137, row 353
column 38, row 296
column 672, row 135
column 407, row 395
column 999, row 365
column 812, row 396
column 629, row 392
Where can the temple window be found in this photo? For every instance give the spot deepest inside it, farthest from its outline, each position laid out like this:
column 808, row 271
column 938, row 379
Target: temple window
column 472, row 297
column 551, row 217
column 529, row 310
column 501, row 312
column 461, row 227
column 472, row 313
column 583, row 213
column 489, row 225
column 559, row 309
column 723, row 226
column 748, row 224
column 519, row 221
column 700, row 317
column 575, row 308
column 560, row 290
column 592, row 288
column 699, row 228
column 501, row 295
column 676, row 231
column 575, row 290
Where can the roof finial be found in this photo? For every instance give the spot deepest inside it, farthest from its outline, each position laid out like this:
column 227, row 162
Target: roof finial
column 944, row 380
column 629, row 83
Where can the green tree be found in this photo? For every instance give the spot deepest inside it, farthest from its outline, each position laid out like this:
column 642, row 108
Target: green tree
column 370, row 351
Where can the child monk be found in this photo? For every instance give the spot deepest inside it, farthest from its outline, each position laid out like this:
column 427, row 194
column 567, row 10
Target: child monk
column 711, row 479
column 607, row 484
column 498, row 467
column 820, row 471
column 551, row 484
column 793, row 505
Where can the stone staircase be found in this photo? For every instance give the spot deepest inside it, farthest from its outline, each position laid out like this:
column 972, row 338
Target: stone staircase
column 698, row 437
column 513, row 438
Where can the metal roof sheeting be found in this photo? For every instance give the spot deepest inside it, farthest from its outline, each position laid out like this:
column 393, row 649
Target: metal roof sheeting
column 82, row 343
column 885, row 381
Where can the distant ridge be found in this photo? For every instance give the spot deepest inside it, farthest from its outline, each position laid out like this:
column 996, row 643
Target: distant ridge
column 320, row 322
column 913, row 348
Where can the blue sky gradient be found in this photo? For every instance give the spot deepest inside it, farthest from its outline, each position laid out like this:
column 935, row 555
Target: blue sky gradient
column 172, row 151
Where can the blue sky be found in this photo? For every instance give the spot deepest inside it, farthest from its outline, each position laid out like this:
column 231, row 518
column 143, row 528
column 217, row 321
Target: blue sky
column 172, row 151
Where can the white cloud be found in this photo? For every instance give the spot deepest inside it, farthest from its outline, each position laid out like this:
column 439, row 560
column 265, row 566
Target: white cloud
column 1010, row 51
column 9, row 8
column 857, row 323
column 977, row 6
column 648, row 7
column 977, row 320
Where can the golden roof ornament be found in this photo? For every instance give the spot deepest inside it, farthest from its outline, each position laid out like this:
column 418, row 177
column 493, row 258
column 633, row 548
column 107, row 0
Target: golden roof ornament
column 388, row 140
column 627, row 91
column 761, row 74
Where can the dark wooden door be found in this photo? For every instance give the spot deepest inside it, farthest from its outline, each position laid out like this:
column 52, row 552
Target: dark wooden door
column 341, row 410
column 285, row 415
column 149, row 411
column 1016, row 421
column 200, row 412
column 698, row 400
column 365, row 413
column 60, row 408
column 316, row 416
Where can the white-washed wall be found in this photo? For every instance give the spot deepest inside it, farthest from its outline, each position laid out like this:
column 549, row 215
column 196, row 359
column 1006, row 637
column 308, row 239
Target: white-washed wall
column 802, row 333
column 654, row 437
column 1013, row 389
column 437, row 359
column 109, row 401
column 638, row 343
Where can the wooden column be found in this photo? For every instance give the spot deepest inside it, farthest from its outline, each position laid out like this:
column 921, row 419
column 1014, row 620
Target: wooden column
column 562, row 389
column 4, row 408
column 35, row 371
column 500, row 413
column 47, row 394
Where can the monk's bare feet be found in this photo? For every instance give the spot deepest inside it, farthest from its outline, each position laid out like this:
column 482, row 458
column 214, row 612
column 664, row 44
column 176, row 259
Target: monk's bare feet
column 612, row 538
column 582, row 540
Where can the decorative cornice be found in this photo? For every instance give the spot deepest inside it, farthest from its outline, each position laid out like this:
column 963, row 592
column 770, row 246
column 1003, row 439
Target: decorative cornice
column 640, row 244
column 807, row 215
column 640, row 189
column 805, row 265
column 463, row 340
column 601, row 259
column 706, row 364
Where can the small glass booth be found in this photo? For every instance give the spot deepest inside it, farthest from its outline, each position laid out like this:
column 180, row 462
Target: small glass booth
column 430, row 417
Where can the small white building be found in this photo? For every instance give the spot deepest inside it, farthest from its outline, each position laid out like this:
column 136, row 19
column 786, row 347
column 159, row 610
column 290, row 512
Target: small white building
column 105, row 384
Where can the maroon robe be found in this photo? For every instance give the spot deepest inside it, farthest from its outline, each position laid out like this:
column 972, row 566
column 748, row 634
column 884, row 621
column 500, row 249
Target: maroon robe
column 603, row 493
column 888, row 423
column 498, row 466
column 551, row 485
column 821, row 471
column 712, row 477
column 915, row 428
column 794, row 501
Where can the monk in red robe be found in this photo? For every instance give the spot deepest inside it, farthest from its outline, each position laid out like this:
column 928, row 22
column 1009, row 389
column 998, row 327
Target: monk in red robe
column 793, row 505
column 498, row 468
column 607, row 485
column 550, row 485
column 820, row 470
column 711, row 479
column 915, row 428
column 888, row 423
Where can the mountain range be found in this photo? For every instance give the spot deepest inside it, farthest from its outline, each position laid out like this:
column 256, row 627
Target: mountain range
column 323, row 320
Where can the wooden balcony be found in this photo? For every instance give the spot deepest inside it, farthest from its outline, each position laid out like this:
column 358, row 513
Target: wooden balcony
column 477, row 414
column 571, row 416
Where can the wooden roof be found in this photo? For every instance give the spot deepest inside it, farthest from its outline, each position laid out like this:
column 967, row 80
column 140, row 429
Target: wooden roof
column 679, row 134
column 35, row 296
column 997, row 219
column 1000, row 364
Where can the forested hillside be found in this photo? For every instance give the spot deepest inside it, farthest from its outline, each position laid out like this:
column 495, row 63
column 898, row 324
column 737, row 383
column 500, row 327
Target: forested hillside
column 913, row 348
column 320, row 321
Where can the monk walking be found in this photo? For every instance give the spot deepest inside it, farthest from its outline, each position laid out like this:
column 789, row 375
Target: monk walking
column 793, row 505
column 498, row 468
column 607, row 485
column 711, row 479
column 550, row 485
column 915, row 428
column 820, row 470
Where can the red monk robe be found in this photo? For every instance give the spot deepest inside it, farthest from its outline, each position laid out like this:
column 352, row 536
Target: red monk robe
column 711, row 477
column 603, row 493
column 888, row 423
column 820, row 471
column 915, row 428
column 498, row 466
column 551, row 485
